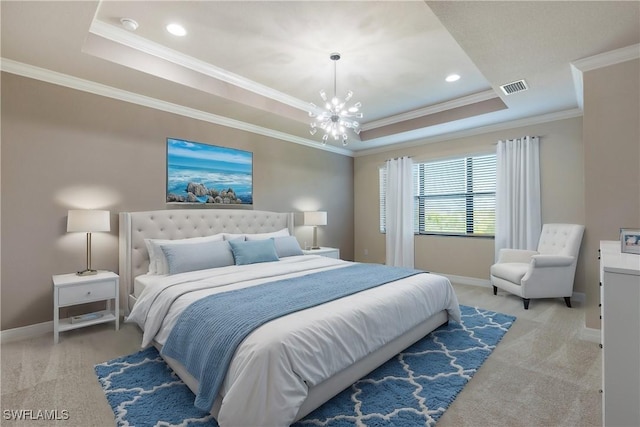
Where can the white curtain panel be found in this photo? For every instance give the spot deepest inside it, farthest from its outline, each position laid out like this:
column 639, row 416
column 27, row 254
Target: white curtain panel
column 399, row 211
column 518, row 213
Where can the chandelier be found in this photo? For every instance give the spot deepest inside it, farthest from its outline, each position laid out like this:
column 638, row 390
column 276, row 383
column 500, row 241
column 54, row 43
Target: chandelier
column 337, row 116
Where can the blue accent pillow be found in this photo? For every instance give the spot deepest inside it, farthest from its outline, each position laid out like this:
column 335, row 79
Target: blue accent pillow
column 253, row 251
column 287, row 246
column 197, row 256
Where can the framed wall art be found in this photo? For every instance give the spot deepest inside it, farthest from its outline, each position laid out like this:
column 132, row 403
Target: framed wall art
column 200, row 173
column 630, row 240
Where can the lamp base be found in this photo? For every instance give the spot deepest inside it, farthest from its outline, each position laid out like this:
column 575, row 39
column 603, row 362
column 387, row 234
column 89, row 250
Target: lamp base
column 314, row 243
column 87, row 272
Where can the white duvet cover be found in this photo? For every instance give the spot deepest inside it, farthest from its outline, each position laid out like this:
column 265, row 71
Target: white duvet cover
column 274, row 367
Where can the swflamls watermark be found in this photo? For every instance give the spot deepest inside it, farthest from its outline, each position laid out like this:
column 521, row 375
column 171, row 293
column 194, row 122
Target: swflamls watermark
column 35, row 414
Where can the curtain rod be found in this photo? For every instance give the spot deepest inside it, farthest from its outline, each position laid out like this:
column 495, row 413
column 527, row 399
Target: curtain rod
column 496, row 143
column 396, row 158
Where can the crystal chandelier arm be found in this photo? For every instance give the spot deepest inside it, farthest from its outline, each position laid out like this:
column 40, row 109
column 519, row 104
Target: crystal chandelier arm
column 335, row 119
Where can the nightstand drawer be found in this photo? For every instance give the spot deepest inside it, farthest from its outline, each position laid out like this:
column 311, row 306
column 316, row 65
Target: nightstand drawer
column 324, row 251
column 94, row 291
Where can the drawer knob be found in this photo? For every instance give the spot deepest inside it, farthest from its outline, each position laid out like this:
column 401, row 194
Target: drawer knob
column 88, row 292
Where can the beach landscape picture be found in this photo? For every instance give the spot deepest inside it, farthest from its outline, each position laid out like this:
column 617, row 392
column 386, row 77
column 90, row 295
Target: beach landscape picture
column 203, row 173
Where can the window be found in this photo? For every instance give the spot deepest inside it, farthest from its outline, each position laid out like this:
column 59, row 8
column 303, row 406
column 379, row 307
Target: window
column 451, row 197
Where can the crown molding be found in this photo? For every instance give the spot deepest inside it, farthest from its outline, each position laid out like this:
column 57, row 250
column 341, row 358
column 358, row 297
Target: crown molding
column 432, row 109
column 550, row 117
column 606, row 59
column 60, row 79
column 601, row 60
column 133, row 41
column 578, row 85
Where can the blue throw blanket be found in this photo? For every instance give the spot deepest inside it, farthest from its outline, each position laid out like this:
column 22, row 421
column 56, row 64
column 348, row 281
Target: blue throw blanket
column 208, row 331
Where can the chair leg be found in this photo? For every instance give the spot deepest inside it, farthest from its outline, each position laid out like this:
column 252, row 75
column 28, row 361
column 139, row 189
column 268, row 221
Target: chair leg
column 525, row 301
column 495, row 290
column 567, row 301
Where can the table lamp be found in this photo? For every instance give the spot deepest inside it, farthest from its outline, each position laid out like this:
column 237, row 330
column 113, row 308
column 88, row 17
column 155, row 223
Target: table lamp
column 88, row 221
column 315, row 219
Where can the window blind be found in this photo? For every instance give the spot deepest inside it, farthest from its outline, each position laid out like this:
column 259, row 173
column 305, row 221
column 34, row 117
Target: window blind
column 452, row 197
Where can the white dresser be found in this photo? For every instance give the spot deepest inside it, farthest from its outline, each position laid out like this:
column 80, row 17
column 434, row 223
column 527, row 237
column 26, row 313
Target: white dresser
column 620, row 298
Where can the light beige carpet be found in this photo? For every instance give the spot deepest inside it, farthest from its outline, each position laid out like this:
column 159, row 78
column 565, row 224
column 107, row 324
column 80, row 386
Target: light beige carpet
column 541, row 374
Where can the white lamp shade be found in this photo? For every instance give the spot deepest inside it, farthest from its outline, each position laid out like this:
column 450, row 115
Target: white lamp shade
column 315, row 218
column 87, row 221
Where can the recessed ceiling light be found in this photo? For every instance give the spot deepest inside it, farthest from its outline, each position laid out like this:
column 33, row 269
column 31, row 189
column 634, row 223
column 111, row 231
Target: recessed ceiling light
column 129, row 24
column 452, row 78
column 176, row 30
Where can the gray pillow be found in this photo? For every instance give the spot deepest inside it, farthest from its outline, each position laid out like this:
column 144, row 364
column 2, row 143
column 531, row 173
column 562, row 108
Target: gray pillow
column 197, row 256
column 287, row 246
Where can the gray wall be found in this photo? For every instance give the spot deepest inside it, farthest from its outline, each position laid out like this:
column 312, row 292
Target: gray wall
column 562, row 187
column 64, row 149
column 612, row 164
column 590, row 176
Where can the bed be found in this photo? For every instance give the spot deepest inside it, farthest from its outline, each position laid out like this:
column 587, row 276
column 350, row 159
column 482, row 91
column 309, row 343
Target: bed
column 309, row 355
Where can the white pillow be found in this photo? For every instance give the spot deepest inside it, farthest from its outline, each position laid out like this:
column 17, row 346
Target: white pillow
column 262, row 236
column 287, row 246
column 231, row 236
column 158, row 261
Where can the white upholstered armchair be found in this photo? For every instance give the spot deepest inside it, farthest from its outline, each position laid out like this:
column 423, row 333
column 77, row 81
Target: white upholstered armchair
column 545, row 273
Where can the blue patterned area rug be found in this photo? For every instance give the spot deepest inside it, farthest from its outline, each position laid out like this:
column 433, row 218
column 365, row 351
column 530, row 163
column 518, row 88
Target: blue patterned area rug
column 412, row 389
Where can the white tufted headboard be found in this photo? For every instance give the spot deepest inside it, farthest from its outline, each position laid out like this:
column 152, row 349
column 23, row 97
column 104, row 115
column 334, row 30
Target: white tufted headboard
column 181, row 224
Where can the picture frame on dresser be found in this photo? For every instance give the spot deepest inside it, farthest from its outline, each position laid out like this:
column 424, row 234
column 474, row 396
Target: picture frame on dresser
column 630, row 240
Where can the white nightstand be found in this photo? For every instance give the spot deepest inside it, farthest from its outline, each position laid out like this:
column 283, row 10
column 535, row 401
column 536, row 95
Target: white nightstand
column 328, row 252
column 71, row 289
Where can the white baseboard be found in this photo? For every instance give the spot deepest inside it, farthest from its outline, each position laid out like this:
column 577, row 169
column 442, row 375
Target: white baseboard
column 580, row 297
column 30, row 331
column 26, row 332
column 463, row 280
column 586, row 334
column 474, row 281
column 590, row 334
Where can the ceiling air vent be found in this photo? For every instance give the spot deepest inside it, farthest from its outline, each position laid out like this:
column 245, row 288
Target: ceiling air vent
column 514, row 87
